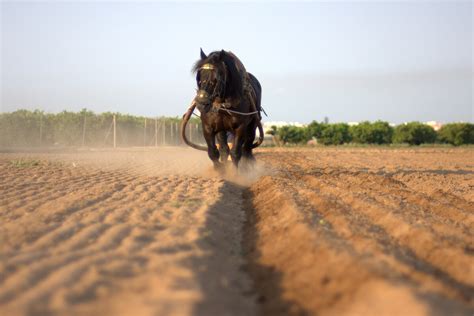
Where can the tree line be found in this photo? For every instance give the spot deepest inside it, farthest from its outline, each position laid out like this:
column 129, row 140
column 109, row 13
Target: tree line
column 37, row 128
column 24, row 128
column 379, row 132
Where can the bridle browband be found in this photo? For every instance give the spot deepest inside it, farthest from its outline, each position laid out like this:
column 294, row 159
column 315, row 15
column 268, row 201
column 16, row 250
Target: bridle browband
column 208, row 66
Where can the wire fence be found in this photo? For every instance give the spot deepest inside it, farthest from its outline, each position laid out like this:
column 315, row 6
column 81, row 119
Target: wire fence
column 86, row 129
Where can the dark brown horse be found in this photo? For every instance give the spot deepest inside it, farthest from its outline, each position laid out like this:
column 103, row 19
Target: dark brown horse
column 229, row 100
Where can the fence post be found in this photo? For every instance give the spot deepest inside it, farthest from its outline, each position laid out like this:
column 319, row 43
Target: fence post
column 163, row 128
column 196, row 126
column 84, row 131
column 172, row 133
column 41, row 129
column 144, row 135
column 178, row 138
column 178, row 129
column 156, row 132
column 115, row 133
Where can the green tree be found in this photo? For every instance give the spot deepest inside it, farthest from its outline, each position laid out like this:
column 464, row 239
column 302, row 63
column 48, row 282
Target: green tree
column 335, row 134
column 24, row 128
column 414, row 133
column 378, row 132
column 292, row 134
column 457, row 134
column 315, row 129
column 36, row 128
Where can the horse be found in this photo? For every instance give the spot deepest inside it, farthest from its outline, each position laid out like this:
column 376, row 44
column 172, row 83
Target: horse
column 229, row 101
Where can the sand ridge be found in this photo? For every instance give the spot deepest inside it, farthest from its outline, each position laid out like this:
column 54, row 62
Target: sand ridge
column 151, row 232
column 307, row 231
column 363, row 232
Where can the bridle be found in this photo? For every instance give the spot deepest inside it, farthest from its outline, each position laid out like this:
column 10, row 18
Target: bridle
column 219, row 91
column 219, row 86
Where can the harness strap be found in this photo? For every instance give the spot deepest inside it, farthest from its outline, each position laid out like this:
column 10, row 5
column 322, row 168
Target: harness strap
column 230, row 112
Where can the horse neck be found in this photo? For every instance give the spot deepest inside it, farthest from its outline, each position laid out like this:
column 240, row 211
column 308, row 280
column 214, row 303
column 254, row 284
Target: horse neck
column 238, row 63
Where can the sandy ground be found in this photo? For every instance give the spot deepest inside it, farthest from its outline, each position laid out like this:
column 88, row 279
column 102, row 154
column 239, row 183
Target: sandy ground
column 126, row 232
column 308, row 231
column 364, row 232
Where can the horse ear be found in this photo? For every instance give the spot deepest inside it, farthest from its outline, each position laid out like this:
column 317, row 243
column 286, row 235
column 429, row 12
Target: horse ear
column 221, row 54
column 203, row 56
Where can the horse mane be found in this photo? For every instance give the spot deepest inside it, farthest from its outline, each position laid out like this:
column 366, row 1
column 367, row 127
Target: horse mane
column 233, row 66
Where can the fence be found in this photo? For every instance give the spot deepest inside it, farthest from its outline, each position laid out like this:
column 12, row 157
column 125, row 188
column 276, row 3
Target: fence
column 86, row 129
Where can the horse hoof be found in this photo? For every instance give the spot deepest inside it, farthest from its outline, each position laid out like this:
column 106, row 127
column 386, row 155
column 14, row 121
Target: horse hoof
column 219, row 167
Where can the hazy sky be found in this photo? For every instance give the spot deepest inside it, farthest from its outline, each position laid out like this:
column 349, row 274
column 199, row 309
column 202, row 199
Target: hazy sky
column 349, row 61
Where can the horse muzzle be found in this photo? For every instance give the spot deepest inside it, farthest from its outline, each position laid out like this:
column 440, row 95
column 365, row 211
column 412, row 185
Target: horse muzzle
column 203, row 97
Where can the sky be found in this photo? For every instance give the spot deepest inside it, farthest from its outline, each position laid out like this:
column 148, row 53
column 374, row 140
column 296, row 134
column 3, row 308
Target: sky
column 348, row 61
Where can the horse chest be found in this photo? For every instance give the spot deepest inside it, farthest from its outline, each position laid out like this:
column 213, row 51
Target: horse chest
column 219, row 122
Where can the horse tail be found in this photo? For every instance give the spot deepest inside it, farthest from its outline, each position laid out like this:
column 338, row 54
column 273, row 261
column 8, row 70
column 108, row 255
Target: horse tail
column 184, row 122
column 260, row 137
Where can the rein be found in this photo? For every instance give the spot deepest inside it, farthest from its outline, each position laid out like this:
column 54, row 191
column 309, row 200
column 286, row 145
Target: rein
column 230, row 112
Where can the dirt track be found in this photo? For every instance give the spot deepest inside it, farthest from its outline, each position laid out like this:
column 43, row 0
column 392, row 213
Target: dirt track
column 157, row 232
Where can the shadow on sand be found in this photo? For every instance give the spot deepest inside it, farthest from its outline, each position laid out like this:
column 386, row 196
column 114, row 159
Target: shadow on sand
column 267, row 280
column 228, row 272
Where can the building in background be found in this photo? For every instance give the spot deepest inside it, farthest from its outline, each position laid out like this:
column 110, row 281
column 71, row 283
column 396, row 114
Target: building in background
column 436, row 125
column 268, row 125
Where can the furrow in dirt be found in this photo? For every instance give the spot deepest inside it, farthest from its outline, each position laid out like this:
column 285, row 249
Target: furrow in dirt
column 417, row 237
column 345, row 241
column 366, row 230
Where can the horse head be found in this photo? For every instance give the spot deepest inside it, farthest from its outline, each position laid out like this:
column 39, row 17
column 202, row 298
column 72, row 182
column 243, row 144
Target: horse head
column 217, row 77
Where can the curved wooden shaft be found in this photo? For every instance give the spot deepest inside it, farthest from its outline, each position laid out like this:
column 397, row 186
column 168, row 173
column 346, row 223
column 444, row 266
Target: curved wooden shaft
column 184, row 122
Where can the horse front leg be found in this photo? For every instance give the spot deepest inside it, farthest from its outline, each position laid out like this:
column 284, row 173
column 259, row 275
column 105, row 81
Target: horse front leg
column 223, row 146
column 236, row 151
column 212, row 151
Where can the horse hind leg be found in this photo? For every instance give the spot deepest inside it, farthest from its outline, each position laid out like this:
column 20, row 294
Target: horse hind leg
column 247, row 153
column 248, row 143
